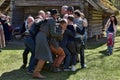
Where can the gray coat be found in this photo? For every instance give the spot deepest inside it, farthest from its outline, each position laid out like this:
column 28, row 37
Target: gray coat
column 42, row 50
column 55, row 34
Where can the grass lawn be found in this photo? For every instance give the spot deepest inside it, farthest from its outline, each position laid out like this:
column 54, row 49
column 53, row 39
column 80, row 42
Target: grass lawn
column 99, row 66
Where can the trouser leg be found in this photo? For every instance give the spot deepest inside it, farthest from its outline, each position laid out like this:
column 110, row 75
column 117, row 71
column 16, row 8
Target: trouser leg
column 60, row 55
column 74, row 58
column 25, row 56
column 67, row 58
column 72, row 48
column 82, row 58
column 30, row 44
column 32, row 61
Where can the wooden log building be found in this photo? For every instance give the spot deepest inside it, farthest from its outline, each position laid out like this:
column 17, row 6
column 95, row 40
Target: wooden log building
column 5, row 6
column 116, row 3
column 94, row 11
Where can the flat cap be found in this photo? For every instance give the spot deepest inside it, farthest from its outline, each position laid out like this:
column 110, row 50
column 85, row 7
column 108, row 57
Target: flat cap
column 54, row 11
column 70, row 8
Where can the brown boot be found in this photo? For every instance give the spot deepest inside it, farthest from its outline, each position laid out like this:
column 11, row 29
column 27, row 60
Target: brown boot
column 37, row 70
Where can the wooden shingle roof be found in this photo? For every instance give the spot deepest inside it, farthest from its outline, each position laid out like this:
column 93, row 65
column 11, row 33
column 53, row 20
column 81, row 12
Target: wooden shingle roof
column 91, row 2
column 107, row 6
column 103, row 5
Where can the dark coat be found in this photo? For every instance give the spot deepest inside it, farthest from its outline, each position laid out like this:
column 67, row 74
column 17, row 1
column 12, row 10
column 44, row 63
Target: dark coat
column 7, row 33
column 66, row 35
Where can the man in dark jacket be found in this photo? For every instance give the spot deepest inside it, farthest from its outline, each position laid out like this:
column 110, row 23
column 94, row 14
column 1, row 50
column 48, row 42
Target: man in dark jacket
column 63, row 44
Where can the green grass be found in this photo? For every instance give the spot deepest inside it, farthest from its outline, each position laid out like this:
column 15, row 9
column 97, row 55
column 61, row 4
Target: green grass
column 99, row 66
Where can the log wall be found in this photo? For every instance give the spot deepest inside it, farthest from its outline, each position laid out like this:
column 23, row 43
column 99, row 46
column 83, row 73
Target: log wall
column 95, row 22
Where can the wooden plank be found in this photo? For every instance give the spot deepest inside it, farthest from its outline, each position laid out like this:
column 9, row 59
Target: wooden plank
column 98, row 12
column 17, row 16
column 95, row 17
column 96, row 22
column 46, row 3
column 8, row 7
column 95, row 25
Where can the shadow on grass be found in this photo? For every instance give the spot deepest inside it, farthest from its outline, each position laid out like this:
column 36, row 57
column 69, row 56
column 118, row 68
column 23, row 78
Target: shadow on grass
column 93, row 44
column 21, row 74
column 117, row 49
column 104, row 52
column 15, row 75
column 14, row 45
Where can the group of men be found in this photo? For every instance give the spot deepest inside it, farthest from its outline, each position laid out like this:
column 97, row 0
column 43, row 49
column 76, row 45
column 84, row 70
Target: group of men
column 54, row 38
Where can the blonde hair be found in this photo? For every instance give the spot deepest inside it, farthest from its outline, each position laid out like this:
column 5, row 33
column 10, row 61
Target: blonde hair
column 41, row 12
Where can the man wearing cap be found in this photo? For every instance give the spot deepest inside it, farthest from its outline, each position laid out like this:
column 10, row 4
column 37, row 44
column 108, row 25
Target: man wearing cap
column 47, row 31
column 70, row 10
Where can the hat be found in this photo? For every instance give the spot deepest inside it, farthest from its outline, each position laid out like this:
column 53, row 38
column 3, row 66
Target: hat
column 70, row 8
column 77, row 12
column 54, row 11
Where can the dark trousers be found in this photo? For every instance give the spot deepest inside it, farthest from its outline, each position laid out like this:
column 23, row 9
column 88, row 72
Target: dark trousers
column 25, row 56
column 72, row 48
column 82, row 57
column 67, row 58
column 30, row 44
column 80, row 49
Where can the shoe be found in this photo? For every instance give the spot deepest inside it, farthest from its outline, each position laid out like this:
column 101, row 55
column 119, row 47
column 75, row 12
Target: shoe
column 73, row 68
column 29, row 72
column 23, row 67
column 108, row 54
column 84, row 66
column 56, row 70
column 67, row 69
column 51, row 68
